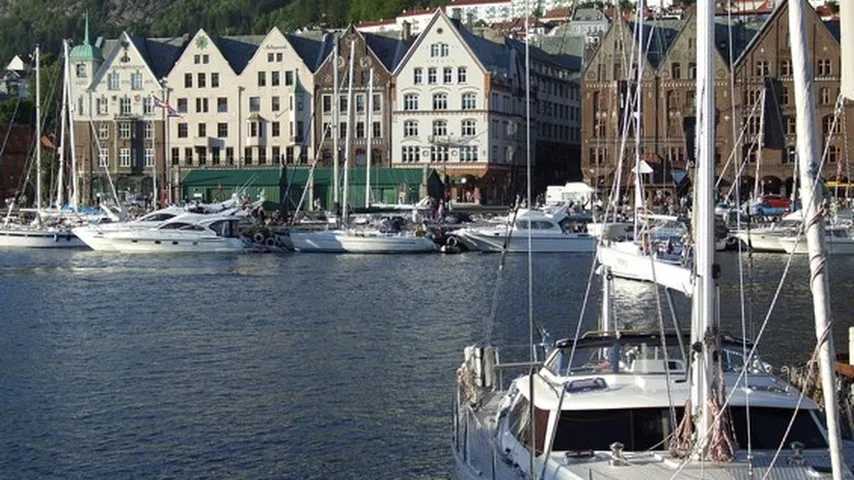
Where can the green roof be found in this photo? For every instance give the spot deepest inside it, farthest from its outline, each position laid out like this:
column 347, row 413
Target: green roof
column 86, row 52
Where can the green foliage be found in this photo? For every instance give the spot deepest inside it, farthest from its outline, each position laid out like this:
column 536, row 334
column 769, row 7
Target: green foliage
column 47, row 21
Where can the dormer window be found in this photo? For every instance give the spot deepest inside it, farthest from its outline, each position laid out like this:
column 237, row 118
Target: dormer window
column 81, row 70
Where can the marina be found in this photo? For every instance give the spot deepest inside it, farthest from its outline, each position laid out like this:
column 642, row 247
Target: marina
column 232, row 365
column 581, row 285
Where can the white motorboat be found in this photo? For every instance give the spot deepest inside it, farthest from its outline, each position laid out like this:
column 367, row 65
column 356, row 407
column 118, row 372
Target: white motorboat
column 627, row 260
column 547, row 235
column 360, row 241
column 94, row 235
column 183, row 234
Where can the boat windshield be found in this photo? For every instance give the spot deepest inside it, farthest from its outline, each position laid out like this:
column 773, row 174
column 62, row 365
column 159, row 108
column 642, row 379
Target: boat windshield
column 182, row 226
column 157, row 217
column 522, row 224
column 649, row 428
column 618, row 356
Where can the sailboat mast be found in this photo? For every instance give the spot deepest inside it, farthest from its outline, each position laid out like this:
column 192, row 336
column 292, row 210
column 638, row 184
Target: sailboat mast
column 60, row 184
column 808, row 156
column 38, row 133
column 348, row 149
column 703, row 313
column 75, row 195
column 639, row 203
column 370, row 127
column 335, row 119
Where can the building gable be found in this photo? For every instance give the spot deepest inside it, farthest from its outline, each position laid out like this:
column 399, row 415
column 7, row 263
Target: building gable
column 276, row 42
column 124, row 55
column 200, row 44
column 440, row 21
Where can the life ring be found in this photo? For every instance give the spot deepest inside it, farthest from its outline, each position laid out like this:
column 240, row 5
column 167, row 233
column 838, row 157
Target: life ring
column 270, row 242
column 258, row 237
column 452, row 242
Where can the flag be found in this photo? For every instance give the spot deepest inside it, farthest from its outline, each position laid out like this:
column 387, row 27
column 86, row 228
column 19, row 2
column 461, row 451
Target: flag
column 169, row 110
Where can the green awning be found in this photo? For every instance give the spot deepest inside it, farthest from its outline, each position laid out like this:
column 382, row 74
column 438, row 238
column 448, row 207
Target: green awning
column 257, row 177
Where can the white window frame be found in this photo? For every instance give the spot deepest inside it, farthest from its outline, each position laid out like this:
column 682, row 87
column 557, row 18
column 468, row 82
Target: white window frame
column 124, row 157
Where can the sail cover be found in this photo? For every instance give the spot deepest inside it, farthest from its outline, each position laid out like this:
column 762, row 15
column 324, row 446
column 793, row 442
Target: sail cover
column 847, row 19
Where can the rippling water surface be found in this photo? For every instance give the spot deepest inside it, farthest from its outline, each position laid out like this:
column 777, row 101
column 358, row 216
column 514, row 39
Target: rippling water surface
column 293, row 366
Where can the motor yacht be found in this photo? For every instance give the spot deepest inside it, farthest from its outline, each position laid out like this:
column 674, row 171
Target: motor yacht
column 188, row 233
column 547, row 235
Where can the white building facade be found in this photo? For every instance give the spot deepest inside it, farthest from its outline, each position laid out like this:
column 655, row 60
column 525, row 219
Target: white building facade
column 459, row 108
column 119, row 137
column 241, row 102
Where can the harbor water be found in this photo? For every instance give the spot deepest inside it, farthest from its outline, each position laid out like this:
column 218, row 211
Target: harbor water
column 297, row 366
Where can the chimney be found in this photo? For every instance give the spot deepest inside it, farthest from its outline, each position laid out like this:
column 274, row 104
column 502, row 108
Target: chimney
column 405, row 31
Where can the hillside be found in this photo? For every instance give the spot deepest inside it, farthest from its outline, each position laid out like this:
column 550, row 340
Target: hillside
column 26, row 22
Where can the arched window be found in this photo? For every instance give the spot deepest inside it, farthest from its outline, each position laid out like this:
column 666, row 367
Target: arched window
column 410, row 101
column 440, row 128
column 410, row 128
column 469, row 101
column 440, row 101
column 469, row 128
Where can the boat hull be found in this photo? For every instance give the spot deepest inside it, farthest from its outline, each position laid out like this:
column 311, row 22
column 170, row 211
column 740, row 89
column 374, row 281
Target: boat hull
column 177, row 245
column 762, row 242
column 345, row 242
column 493, row 241
column 94, row 239
column 624, row 260
column 39, row 239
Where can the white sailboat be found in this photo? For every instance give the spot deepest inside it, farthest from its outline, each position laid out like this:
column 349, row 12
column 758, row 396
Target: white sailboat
column 638, row 405
column 38, row 233
column 349, row 239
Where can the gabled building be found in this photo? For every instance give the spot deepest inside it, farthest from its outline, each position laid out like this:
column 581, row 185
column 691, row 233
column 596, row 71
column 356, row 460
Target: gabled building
column 371, row 52
column 758, row 61
column 610, row 77
column 459, row 107
column 119, row 131
column 206, row 128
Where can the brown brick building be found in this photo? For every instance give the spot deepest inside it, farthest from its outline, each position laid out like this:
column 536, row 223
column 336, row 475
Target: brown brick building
column 762, row 67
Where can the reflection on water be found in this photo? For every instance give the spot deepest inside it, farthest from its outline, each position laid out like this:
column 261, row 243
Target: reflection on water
column 295, row 366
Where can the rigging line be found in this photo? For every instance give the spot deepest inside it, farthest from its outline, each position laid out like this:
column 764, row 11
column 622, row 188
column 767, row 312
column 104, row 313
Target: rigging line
column 734, row 152
column 811, row 369
column 43, row 122
column 493, row 310
column 744, row 310
column 107, row 165
column 310, row 178
column 672, row 408
column 612, row 203
column 747, row 361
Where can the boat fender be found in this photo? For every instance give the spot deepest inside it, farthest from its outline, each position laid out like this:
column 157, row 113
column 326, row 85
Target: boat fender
column 55, row 237
column 258, row 237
